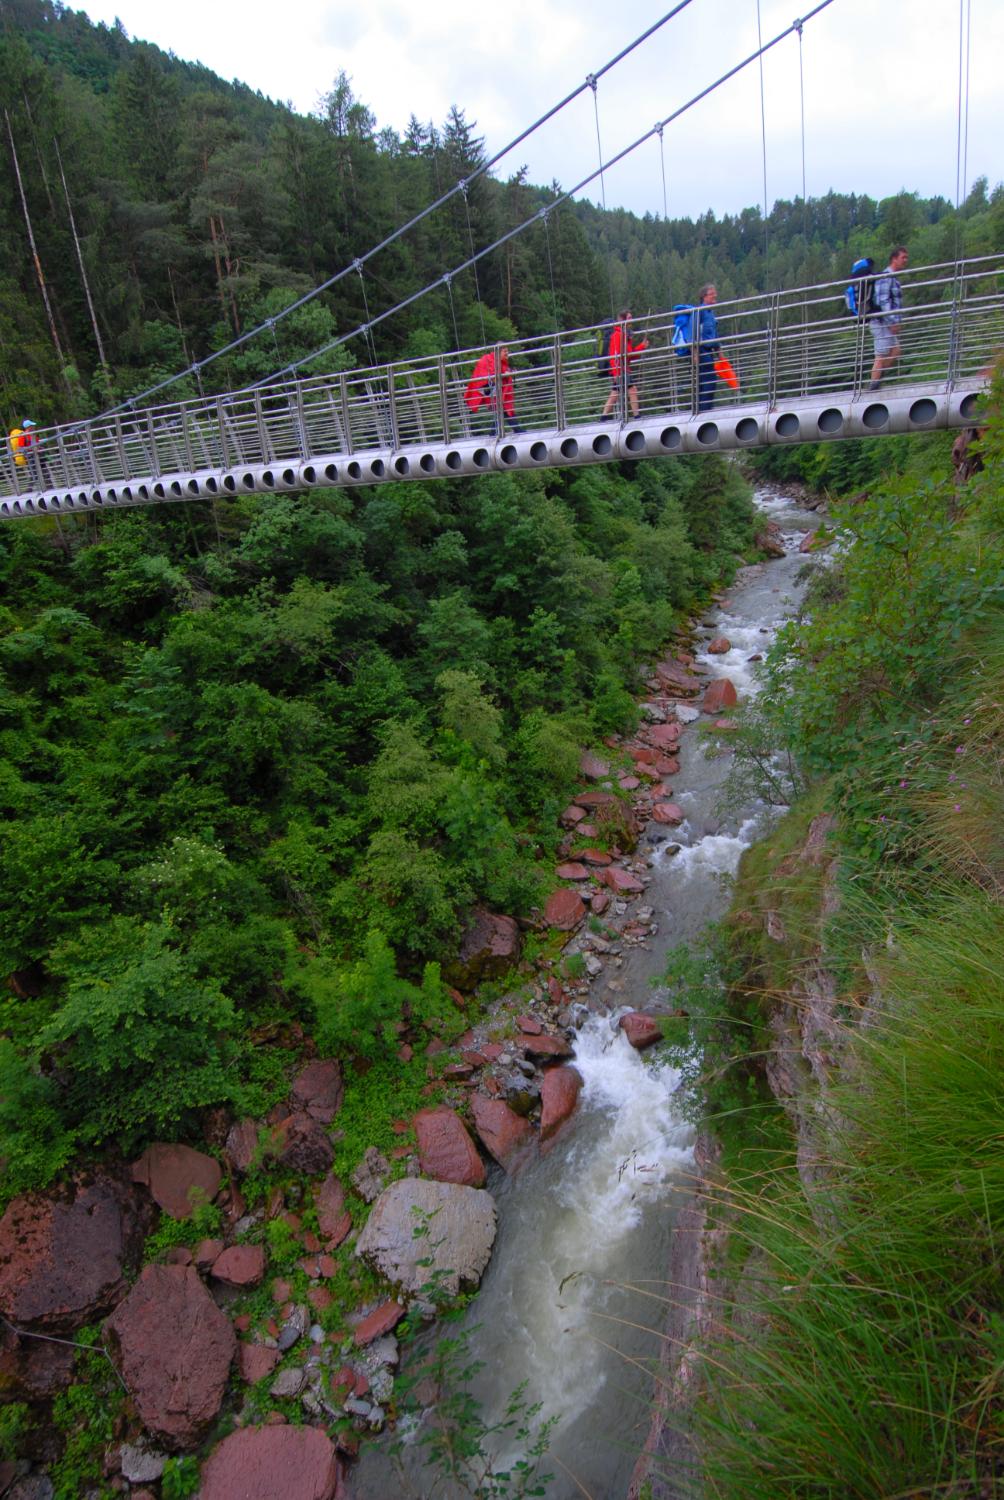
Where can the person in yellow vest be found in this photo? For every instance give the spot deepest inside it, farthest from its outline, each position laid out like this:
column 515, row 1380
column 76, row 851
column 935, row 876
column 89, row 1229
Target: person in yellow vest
column 23, row 443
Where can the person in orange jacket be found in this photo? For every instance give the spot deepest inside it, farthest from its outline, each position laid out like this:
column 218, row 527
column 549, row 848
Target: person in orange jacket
column 622, row 354
column 481, row 387
column 23, row 444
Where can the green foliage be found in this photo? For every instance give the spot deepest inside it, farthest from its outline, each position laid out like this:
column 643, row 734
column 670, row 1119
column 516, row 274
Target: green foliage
column 203, row 1223
column 86, row 1414
column 132, row 1005
column 34, row 1141
column 15, row 1422
column 180, row 1479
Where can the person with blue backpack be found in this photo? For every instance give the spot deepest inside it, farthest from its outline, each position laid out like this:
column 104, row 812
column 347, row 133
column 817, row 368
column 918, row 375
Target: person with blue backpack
column 695, row 334
column 886, row 319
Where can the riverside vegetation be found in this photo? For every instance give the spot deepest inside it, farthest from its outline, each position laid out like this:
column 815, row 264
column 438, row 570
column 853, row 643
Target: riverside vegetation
column 853, row 1339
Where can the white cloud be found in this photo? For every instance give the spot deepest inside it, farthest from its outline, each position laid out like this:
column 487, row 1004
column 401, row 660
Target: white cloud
column 880, row 83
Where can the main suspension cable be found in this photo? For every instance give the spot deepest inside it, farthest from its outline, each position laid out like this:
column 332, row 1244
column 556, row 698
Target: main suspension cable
column 565, row 197
column 411, row 223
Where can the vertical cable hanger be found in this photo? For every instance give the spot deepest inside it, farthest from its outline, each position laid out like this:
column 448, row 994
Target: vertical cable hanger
column 763, row 139
column 358, row 266
column 801, row 100
column 962, row 119
column 545, row 214
column 448, row 283
column 474, row 266
column 660, row 131
column 591, row 80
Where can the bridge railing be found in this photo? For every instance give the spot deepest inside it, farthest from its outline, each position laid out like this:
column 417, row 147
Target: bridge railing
column 785, row 345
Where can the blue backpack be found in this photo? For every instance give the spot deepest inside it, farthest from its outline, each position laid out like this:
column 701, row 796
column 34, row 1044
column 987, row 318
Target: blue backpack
column 603, row 346
column 859, row 294
column 683, row 329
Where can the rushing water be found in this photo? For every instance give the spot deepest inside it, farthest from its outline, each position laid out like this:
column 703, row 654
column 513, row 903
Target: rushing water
column 570, row 1302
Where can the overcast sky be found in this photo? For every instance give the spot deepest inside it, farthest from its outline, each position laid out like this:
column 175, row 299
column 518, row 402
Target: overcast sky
column 881, row 84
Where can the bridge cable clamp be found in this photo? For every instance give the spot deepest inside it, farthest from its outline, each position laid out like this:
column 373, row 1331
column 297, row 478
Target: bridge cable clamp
column 591, row 80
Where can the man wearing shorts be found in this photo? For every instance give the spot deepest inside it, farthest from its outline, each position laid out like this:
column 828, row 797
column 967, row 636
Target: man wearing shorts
column 887, row 297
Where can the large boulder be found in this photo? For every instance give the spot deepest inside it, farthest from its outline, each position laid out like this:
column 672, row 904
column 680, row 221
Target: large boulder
column 240, row 1265
column 242, row 1145
column 621, row 881
column 65, row 1256
column 461, row 1231
column 508, row 1137
column 640, row 1029
column 559, row 1094
column 179, row 1178
column 489, row 947
column 564, row 909
column 319, row 1090
column 445, row 1150
column 720, row 694
column 333, row 1219
column 260, row 1463
column 174, row 1348
column 302, row 1144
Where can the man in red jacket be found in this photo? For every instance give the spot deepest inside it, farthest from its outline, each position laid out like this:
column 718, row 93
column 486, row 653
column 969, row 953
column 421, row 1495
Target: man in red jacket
column 622, row 355
column 481, row 386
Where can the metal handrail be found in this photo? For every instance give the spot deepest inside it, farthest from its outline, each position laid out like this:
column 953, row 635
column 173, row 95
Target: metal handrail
column 785, row 345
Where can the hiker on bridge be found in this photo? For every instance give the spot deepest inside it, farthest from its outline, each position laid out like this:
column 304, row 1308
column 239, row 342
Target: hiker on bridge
column 623, row 353
column 708, row 346
column 481, row 388
column 887, row 319
column 23, row 444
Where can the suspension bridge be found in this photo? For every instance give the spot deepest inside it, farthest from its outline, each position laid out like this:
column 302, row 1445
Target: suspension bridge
column 803, row 368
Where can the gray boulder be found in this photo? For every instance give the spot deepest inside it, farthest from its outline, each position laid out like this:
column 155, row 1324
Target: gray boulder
column 461, row 1232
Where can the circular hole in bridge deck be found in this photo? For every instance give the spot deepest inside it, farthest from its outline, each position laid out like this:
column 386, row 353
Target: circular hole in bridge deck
column 247, row 481
column 538, row 452
column 707, row 434
column 175, row 488
column 82, row 497
column 787, row 425
column 193, row 486
column 42, row 505
column 670, row 437
column 482, row 458
column 427, row 464
column 309, row 473
column 968, row 404
column 354, row 471
column 402, row 466
column 378, row 468
column 876, row 415
column 143, row 492
column 212, row 486
column 229, row 483
column 569, row 448
column 454, row 461
column 127, row 492
column 268, row 478
column 831, row 420
column 634, row 442
column 924, row 410
column 748, row 430
column 331, row 473
column 602, row 444
column 98, row 499
column 508, row 455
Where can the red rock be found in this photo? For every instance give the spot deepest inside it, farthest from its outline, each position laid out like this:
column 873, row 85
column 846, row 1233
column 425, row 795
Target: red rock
column 242, row 1145
column 474, row 1059
column 377, row 1323
column 178, row 1177
column 255, row 1361
column 293, row 1220
column 435, row 1047
column 405, row 1053
column 726, row 726
column 564, row 909
column 281, row 1290
column 319, row 1298
column 529, row 1025
column 503, row 1132
column 595, row 856
column 173, row 1347
column 333, row 1219
column 492, row 1050
column 667, row 765
column 629, row 783
column 559, row 1094
column 457, row 1072
column 668, row 812
column 311, row 1242
column 31, row 1370
column 769, row 540
column 319, row 1090
column 664, row 736
column 599, row 902
column 572, row 871
column 720, row 694
column 599, row 799
column 445, row 1150
column 676, row 679
column 621, row 880
column 327, row 1266
column 241, row 1265
column 592, row 768
column 206, row 1252
column 179, row 1256
column 342, row 1382
column 640, row 1029
column 546, row 1046
column 719, row 645
column 808, row 541
column 489, row 947
column 362, row 1384
column 643, row 755
column 302, row 1144
column 587, row 830
column 555, row 992
column 261, row 1463
column 242, row 1323
column 65, row 1257
column 572, row 815
column 493, row 1086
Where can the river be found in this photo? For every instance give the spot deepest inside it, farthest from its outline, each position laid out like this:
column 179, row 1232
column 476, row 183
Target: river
column 569, row 1303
